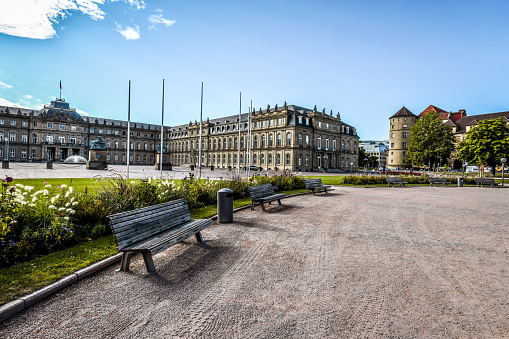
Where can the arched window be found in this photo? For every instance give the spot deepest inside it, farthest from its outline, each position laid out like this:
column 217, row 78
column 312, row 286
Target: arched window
column 288, row 158
column 300, row 140
column 241, row 142
column 270, row 159
column 262, row 159
column 348, row 146
column 300, row 160
column 334, row 144
column 263, row 140
column 288, row 139
column 319, row 160
column 224, row 142
column 235, row 143
column 254, row 159
column 255, row 141
column 307, row 140
column 271, row 139
column 279, row 140
column 327, row 143
column 319, row 142
column 278, row 159
column 230, row 143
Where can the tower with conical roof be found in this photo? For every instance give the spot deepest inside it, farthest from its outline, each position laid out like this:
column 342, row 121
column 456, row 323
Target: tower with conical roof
column 399, row 138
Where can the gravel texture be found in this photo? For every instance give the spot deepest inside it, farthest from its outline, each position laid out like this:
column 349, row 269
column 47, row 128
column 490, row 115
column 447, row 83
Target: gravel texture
column 358, row 262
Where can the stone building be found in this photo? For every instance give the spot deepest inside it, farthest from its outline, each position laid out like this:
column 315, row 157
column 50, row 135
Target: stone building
column 287, row 137
column 399, row 138
column 377, row 149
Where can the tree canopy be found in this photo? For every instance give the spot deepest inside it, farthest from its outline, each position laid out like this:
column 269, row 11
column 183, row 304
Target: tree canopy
column 430, row 141
column 486, row 143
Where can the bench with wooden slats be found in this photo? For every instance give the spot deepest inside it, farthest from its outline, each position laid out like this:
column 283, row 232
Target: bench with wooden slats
column 152, row 229
column 485, row 181
column 395, row 181
column 262, row 194
column 316, row 185
column 435, row 181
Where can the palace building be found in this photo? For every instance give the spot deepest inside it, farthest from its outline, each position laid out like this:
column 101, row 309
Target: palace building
column 287, row 137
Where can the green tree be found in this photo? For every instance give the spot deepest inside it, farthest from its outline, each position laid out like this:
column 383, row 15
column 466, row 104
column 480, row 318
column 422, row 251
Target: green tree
column 362, row 156
column 430, row 141
column 486, row 143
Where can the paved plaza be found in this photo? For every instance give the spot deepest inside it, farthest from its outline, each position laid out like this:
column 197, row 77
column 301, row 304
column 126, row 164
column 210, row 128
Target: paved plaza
column 415, row 262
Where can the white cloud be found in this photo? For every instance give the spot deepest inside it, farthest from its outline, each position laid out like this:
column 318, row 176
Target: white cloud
column 80, row 112
column 156, row 19
column 35, row 19
column 28, row 96
column 130, row 33
column 6, row 102
column 3, row 84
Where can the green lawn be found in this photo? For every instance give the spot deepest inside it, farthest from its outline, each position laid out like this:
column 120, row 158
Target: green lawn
column 78, row 184
column 25, row 278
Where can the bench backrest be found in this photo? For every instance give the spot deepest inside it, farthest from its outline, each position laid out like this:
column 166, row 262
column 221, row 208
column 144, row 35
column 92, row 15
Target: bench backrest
column 437, row 180
column 261, row 191
column 394, row 179
column 313, row 183
column 144, row 223
column 485, row 180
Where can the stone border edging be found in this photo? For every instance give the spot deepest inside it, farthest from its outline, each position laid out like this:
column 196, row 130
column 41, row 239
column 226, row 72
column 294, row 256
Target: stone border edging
column 16, row 306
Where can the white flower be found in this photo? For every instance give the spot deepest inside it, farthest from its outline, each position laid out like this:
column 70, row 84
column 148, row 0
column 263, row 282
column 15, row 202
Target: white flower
column 61, row 209
column 67, row 194
column 70, row 211
column 20, row 186
column 28, row 188
column 57, row 196
column 70, row 189
column 74, row 203
column 68, row 204
column 38, row 192
column 53, row 200
column 45, row 192
column 63, row 186
column 72, row 199
column 25, row 193
column 31, row 205
column 48, row 186
column 66, row 218
column 52, row 207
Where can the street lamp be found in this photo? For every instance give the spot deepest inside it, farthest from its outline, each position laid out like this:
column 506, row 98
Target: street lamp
column 351, row 168
column 366, row 165
column 503, row 161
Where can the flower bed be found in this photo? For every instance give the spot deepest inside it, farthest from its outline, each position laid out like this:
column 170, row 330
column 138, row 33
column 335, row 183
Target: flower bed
column 43, row 221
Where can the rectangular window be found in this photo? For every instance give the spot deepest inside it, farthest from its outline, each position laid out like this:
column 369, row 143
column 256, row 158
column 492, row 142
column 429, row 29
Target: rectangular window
column 12, row 153
column 404, row 134
column 2, row 121
column 319, row 124
column 73, row 127
column 62, row 126
column 35, row 124
column 256, row 124
column 307, row 121
column 300, row 120
column 1, row 153
column 13, row 122
column 263, row 123
column 108, row 131
column 24, row 138
column 100, row 131
column 392, row 135
column 279, row 121
column 1, row 136
column 24, row 153
column 392, row 145
column 50, row 125
column 92, row 130
column 12, row 137
column 271, row 123
column 404, row 145
column 327, row 126
column 116, row 132
column 405, row 126
column 24, row 124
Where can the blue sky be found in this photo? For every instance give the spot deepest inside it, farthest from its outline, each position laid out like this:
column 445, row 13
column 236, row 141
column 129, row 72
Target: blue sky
column 364, row 59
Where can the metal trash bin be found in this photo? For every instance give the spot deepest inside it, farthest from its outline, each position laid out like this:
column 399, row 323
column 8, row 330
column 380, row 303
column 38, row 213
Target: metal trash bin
column 225, row 205
column 460, row 181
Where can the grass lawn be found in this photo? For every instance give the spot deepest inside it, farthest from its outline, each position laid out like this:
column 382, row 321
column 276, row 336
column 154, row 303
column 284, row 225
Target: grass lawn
column 78, row 184
column 25, row 278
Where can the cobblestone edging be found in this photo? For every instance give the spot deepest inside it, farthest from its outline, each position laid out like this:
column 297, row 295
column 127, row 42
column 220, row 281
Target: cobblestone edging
column 16, row 306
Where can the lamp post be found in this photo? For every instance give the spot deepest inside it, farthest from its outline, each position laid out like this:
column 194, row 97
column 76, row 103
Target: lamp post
column 351, row 168
column 503, row 161
column 366, row 165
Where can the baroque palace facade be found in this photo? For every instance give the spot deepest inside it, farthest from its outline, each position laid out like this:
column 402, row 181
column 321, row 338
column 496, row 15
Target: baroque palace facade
column 289, row 137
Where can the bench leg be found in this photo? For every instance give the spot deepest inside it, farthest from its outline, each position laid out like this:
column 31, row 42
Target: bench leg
column 149, row 263
column 263, row 206
column 199, row 238
column 252, row 205
column 124, row 262
column 279, row 201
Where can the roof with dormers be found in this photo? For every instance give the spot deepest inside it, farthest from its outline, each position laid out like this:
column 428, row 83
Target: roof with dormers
column 474, row 120
column 403, row 112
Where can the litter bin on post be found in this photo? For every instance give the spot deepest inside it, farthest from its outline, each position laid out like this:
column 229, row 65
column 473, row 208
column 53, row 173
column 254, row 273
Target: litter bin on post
column 225, row 205
column 460, row 181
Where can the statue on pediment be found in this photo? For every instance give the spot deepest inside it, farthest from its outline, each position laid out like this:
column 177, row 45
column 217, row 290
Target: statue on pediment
column 285, row 105
column 314, row 109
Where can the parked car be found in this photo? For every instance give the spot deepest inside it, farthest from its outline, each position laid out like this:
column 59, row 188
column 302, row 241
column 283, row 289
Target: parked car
column 254, row 168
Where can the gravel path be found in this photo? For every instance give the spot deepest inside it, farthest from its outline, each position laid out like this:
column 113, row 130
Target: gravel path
column 359, row 262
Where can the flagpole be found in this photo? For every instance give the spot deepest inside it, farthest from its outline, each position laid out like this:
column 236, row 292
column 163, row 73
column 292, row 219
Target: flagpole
column 238, row 143
column 162, row 127
column 60, row 89
column 201, row 123
column 128, row 128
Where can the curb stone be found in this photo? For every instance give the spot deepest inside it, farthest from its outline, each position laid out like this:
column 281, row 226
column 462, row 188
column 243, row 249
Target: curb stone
column 16, row 306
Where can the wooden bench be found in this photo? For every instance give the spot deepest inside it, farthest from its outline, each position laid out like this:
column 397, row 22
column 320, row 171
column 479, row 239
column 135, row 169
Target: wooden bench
column 395, row 180
column 316, row 185
column 262, row 194
column 435, row 181
column 485, row 181
column 152, row 229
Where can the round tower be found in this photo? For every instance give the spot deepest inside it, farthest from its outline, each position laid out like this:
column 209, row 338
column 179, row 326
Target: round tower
column 399, row 138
